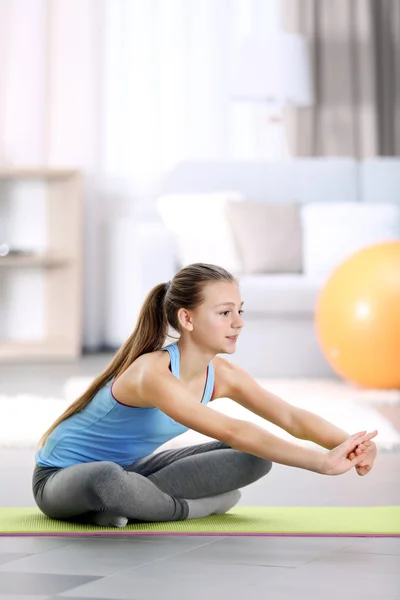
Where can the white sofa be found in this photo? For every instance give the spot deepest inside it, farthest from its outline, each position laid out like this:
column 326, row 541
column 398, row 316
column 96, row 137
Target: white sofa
column 279, row 339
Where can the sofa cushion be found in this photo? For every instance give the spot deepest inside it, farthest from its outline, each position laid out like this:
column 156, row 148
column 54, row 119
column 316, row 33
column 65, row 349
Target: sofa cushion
column 333, row 232
column 380, row 179
column 200, row 229
column 268, row 235
column 279, row 294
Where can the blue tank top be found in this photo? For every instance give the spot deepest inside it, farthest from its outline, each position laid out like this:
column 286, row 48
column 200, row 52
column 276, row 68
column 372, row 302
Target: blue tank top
column 109, row 430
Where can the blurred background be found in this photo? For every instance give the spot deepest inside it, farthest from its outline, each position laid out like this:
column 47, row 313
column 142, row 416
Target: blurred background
column 138, row 136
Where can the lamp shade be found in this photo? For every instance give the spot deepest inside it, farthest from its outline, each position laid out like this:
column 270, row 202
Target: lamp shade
column 274, row 68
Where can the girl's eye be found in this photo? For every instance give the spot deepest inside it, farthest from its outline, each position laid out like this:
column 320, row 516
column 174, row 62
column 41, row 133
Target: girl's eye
column 226, row 312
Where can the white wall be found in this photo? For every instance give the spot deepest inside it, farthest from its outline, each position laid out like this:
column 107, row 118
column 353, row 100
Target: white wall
column 23, row 105
column 123, row 89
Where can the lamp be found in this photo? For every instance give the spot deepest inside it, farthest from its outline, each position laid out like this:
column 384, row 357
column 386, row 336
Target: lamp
column 275, row 71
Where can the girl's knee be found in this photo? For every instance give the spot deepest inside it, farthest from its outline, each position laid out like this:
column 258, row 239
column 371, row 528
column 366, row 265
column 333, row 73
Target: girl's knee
column 256, row 467
column 105, row 480
column 262, row 466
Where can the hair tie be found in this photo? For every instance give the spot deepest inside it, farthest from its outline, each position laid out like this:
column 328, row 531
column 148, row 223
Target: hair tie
column 167, row 285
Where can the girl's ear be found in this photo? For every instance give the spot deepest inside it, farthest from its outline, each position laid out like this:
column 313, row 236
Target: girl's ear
column 185, row 319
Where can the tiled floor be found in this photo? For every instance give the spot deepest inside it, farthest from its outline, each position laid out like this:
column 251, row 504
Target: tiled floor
column 141, row 568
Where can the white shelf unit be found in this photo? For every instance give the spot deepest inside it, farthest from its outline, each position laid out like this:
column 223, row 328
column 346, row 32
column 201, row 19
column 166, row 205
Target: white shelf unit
column 60, row 263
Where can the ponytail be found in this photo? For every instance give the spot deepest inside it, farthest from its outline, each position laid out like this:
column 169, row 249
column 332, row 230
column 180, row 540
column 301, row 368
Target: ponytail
column 148, row 336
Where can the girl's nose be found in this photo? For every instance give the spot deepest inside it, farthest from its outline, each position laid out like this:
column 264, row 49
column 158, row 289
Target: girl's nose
column 239, row 321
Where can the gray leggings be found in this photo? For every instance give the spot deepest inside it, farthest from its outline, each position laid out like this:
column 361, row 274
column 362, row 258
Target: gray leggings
column 153, row 488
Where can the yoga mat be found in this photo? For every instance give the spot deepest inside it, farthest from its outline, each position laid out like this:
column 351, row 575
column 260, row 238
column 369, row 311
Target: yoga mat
column 241, row 520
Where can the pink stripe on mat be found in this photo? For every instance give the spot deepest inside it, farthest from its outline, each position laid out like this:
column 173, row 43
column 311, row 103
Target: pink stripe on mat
column 200, row 534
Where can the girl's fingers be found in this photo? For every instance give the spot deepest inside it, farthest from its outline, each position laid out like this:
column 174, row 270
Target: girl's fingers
column 360, row 448
column 358, row 439
column 369, row 436
column 364, row 435
column 357, row 459
column 357, row 435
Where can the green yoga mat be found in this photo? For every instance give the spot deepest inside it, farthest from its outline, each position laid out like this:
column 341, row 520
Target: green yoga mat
column 241, row 520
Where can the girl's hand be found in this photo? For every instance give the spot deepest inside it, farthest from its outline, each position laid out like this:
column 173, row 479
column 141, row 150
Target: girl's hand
column 366, row 464
column 338, row 461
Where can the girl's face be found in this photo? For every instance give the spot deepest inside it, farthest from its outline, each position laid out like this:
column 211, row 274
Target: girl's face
column 217, row 323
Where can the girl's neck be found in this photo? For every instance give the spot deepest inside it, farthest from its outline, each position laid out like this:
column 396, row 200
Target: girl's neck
column 193, row 361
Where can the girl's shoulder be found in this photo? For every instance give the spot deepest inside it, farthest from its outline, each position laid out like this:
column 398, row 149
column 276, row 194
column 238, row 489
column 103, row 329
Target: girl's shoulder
column 159, row 359
column 225, row 374
column 126, row 387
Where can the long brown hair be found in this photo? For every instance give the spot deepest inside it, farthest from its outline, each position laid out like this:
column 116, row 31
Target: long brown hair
column 158, row 313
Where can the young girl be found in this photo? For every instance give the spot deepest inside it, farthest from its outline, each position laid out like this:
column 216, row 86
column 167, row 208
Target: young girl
column 97, row 464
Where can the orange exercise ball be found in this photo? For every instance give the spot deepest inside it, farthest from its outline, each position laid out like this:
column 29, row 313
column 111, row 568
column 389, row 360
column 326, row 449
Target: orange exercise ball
column 357, row 317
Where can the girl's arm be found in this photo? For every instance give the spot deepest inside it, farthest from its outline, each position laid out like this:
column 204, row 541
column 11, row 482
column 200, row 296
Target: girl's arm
column 234, row 382
column 158, row 387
